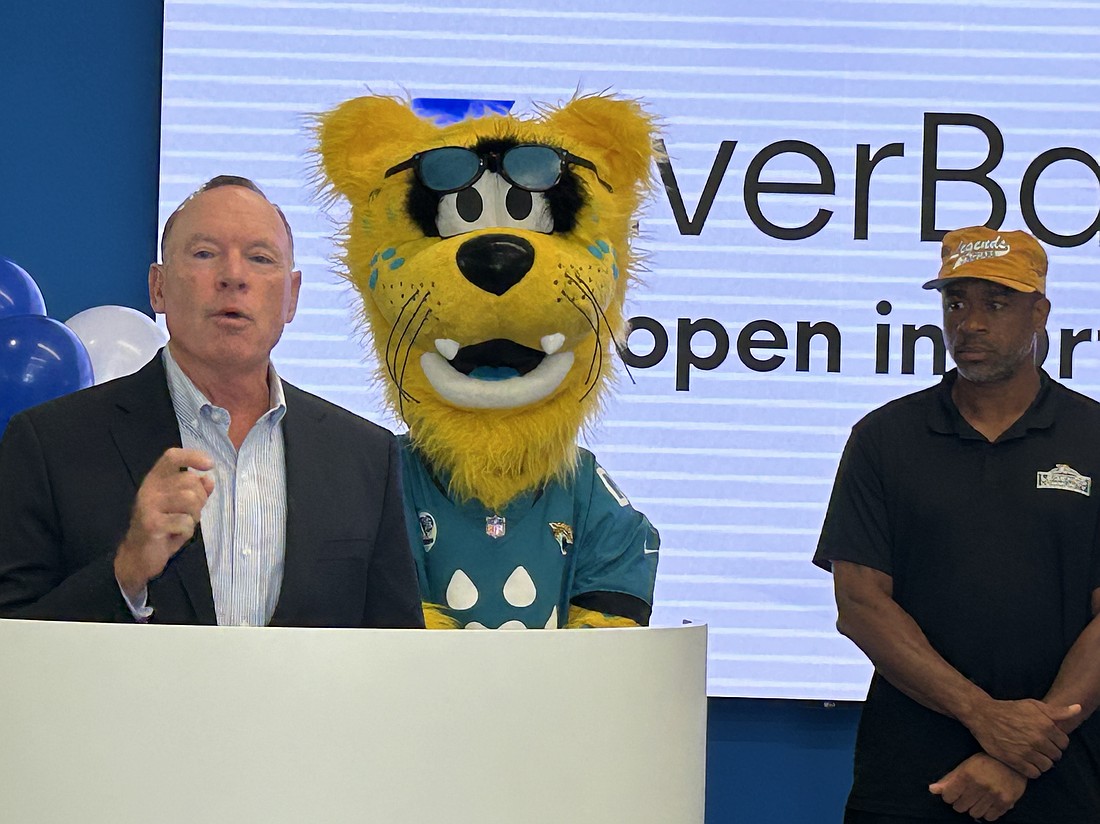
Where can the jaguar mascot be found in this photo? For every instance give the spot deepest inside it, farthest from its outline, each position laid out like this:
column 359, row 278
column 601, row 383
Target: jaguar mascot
column 492, row 257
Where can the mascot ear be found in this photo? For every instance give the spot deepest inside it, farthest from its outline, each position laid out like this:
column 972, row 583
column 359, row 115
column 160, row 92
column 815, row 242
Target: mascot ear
column 617, row 134
column 361, row 138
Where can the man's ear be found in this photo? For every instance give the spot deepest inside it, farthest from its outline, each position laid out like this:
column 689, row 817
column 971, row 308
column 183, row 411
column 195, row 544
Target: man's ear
column 1041, row 311
column 361, row 138
column 156, row 287
column 295, row 287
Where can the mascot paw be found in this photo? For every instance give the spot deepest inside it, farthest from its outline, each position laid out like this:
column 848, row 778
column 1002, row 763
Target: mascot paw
column 581, row 618
column 437, row 617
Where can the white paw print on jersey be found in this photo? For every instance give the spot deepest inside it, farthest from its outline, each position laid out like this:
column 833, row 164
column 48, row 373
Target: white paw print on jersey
column 519, row 591
column 461, row 592
column 551, row 622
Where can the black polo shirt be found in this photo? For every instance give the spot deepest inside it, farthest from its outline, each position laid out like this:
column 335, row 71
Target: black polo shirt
column 994, row 550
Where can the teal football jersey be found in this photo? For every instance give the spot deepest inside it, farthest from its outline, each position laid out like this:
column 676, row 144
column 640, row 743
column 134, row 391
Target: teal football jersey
column 522, row 566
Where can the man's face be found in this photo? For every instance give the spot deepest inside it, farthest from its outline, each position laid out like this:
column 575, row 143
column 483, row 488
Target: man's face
column 226, row 287
column 990, row 329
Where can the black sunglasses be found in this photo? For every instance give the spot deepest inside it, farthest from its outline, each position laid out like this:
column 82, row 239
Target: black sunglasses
column 533, row 167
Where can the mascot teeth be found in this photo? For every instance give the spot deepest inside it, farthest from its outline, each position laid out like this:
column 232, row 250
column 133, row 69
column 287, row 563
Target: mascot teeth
column 447, row 348
column 552, row 343
column 495, row 390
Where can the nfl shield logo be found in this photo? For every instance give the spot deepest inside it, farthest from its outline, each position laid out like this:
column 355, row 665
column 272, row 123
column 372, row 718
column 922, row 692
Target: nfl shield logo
column 494, row 526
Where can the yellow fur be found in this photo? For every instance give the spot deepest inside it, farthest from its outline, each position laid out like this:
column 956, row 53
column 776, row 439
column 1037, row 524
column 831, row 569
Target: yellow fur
column 490, row 454
column 581, row 618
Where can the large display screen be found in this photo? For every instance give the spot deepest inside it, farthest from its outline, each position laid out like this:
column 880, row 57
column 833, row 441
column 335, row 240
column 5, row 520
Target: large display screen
column 816, row 153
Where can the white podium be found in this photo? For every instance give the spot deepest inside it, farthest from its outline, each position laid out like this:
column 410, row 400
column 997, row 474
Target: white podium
column 211, row 725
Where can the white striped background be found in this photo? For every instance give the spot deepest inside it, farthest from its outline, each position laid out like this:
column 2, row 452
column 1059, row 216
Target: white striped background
column 736, row 472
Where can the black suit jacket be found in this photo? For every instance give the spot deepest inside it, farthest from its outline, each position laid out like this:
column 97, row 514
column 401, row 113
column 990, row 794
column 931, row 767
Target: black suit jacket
column 69, row 471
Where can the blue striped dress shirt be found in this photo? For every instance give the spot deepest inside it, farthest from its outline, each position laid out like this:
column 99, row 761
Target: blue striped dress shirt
column 244, row 520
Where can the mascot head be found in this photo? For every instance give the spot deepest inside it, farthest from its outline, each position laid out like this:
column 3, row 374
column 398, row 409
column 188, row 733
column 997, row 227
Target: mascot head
column 492, row 257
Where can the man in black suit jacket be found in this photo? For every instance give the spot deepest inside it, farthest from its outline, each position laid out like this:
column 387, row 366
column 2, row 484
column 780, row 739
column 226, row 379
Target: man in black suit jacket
column 100, row 504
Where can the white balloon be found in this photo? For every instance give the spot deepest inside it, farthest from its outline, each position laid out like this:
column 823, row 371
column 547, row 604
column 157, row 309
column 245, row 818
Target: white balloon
column 119, row 340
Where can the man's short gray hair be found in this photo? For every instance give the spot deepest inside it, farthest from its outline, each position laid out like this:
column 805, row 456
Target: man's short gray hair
column 217, row 183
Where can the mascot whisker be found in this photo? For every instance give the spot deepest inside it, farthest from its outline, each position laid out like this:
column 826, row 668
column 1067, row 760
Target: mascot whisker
column 493, row 257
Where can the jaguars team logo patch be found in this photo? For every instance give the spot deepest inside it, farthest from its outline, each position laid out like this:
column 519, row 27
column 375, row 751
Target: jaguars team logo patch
column 563, row 534
column 1064, row 477
column 427, row 529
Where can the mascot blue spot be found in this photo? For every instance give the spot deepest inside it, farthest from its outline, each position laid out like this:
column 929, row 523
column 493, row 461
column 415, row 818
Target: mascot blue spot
column 397, row 264
column 614, row 271
column 595, row 252
column 494, row 373
column 604, row 246
column 373, row 278
column 388, row 253
column 374, row 259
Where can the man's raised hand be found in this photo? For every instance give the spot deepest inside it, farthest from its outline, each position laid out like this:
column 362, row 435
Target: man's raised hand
column 166, row 512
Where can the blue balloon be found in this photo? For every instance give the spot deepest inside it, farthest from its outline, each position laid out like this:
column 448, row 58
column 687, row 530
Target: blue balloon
column 19, row 294
column 40, row 359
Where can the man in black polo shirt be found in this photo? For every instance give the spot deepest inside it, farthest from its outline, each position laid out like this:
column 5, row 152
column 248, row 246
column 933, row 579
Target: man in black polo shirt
column 964, row 540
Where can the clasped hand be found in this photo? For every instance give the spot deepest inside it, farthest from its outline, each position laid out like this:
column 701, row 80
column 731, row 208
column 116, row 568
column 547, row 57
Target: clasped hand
column 1023, row 734
column 981, row 786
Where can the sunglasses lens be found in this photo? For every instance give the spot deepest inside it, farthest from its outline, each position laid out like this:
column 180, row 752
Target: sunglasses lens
column 448, row 169
column 534, row 168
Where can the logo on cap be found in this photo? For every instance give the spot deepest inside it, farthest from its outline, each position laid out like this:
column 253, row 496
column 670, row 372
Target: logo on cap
column 978, row 250
column 1011, row 258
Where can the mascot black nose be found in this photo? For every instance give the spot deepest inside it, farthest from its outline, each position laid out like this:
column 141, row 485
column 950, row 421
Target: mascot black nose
column 495, row 263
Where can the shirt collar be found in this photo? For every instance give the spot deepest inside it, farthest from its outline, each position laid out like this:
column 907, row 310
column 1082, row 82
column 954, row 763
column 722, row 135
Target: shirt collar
column 946, row 419
column 188, row 401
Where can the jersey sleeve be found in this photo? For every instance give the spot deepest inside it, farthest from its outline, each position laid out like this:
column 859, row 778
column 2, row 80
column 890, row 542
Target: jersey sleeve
column 616, row 549
column 856, row 525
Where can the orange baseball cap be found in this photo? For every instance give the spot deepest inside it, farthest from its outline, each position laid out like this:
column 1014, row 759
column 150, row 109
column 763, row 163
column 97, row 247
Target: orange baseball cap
column 1012, row 259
